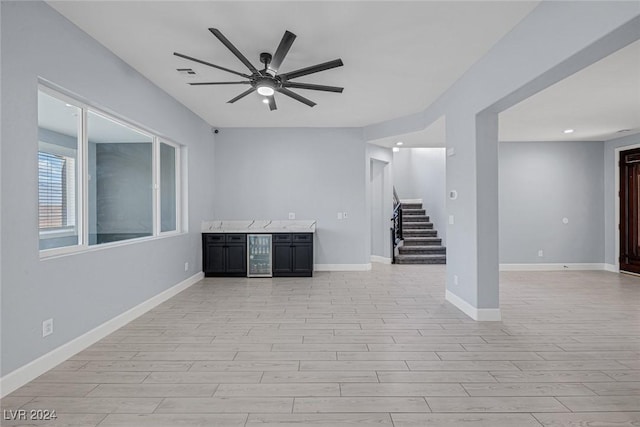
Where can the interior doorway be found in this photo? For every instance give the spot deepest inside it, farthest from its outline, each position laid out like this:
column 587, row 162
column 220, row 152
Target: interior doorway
column 630, row 210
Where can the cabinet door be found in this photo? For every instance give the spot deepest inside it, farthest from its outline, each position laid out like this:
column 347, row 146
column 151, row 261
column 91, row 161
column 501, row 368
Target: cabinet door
column 303, row 259
column 236, row 258
column 282, row 259
column 214, row 258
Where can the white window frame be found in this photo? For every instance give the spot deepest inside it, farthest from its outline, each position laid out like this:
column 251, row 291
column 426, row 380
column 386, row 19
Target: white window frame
column 178, row 189
column 82, row 223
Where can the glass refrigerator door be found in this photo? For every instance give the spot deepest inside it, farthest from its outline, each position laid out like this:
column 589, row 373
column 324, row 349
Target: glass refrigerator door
column 259, row 256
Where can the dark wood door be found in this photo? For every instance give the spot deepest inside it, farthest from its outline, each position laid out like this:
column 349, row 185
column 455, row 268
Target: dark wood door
column 630, row 210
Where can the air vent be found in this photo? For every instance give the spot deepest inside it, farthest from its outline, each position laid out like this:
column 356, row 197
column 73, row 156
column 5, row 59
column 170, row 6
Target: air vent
column 186, row 71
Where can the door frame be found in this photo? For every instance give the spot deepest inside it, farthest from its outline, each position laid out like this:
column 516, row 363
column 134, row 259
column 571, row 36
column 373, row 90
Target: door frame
column 617, row 214
column 385, row 200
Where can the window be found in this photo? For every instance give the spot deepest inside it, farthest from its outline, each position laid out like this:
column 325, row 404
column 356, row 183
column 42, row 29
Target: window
column 58, row 166
column 100, row 179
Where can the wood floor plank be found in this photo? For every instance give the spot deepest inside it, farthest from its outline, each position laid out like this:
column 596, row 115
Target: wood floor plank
column 495, row 404
column 466, row 420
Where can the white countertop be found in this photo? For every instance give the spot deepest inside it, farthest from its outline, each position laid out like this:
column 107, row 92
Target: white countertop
column 259, row 226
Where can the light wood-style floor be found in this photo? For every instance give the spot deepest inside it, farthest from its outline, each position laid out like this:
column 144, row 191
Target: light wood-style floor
column 378, row 348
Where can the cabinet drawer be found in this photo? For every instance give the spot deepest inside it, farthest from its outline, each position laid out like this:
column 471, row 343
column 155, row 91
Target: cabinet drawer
column 306, row 237
column 281, row 238
column 236, row 238
column 214, row 238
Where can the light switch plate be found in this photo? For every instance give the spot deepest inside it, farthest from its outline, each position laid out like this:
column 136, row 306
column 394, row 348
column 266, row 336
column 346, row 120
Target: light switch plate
column 292, row 215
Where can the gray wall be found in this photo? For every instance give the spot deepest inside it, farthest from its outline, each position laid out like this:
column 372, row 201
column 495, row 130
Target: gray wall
column 420, row 173
column 540, row 184
column 265, row 173
column 84, row 290
column 611, row 199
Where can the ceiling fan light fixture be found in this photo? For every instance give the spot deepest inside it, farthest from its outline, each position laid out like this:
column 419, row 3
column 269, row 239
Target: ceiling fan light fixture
column 266, row 87
column 266, row 90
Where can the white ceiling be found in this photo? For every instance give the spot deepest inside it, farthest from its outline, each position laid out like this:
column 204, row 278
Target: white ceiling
column 399, row 57
column 596, row 102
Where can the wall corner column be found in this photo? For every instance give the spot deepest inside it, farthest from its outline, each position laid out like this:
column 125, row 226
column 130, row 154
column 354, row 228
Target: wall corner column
column 472, row 204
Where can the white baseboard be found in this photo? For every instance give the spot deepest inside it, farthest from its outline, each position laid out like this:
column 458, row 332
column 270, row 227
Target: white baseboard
column 478, row 314
column 552, row 267
column 612, row 268
column 19, row 377
column 380, row 259
column 342, row 267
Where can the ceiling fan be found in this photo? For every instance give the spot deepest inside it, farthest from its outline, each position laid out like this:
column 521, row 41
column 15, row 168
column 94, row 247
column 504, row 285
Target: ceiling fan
column 267, row 81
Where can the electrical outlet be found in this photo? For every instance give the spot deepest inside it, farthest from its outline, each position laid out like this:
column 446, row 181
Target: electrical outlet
column 455, row 279
column 292, row 215
column 47, row 327
column 186, row 266
column 540, row 253
column 339, row 215
column 345, row 215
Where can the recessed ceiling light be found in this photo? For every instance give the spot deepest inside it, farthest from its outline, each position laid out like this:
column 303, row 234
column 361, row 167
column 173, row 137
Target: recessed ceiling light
column 396, row 149
column 568, row 131
column 399, row 143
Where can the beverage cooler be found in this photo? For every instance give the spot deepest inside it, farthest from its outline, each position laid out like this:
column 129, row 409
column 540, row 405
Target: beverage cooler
column 259, row 255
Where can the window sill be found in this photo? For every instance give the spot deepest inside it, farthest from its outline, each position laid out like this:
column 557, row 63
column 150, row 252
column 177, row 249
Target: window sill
column 48, row 254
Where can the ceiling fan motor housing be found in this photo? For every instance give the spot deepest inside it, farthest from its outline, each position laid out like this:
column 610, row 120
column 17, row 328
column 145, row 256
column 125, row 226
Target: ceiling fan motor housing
column 265, row 58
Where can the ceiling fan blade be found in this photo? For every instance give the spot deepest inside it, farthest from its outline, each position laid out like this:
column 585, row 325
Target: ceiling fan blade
column 233, row 49
column 313, row 87
column 313, row 69
column 242, row 95
column 272, row 103
column 281, row 51
column 295, row 96
column 200, row 61
column 220, row 83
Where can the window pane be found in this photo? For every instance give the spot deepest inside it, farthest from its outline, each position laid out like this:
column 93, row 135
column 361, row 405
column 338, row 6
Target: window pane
column 58, row 191
column 167, row 187
column 120, row 181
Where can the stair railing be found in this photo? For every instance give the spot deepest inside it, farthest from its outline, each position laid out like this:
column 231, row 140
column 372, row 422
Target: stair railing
column 396, row 225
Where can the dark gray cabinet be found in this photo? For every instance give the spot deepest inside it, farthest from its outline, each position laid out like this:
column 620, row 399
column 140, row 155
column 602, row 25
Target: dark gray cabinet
column 293, row 255
column 224, row 254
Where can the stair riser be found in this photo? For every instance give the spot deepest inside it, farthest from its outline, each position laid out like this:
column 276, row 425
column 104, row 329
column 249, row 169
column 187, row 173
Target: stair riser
column 410, row 225
column 420, row 261
column 423, row 242
column 420, row 233
column 411, row 205
column 414, row 212
column 418, row 250
column 415, row 218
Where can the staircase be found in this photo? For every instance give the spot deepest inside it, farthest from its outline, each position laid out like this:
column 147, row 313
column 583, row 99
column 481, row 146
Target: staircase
column 421, row 244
